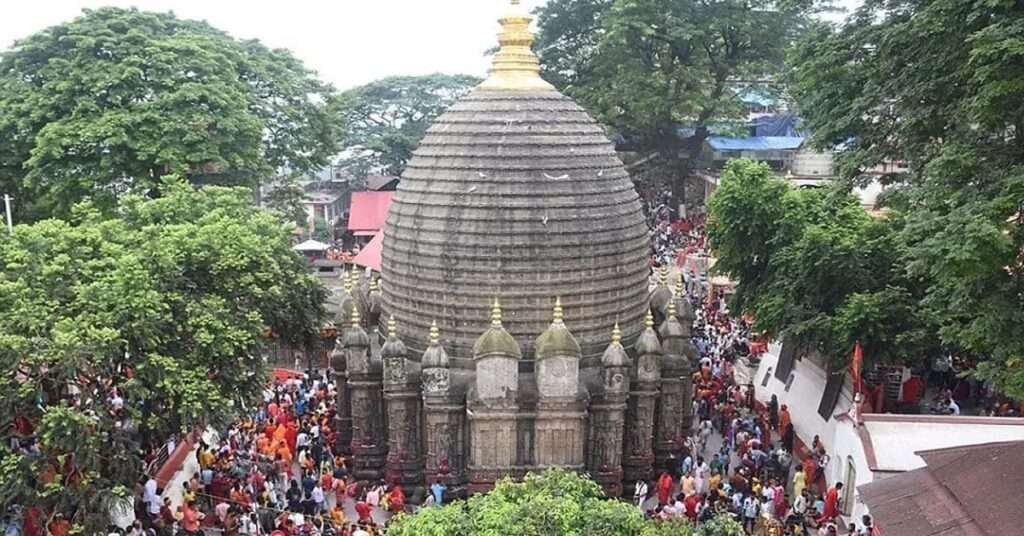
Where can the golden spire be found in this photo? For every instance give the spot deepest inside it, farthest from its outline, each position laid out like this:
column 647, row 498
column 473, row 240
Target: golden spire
column 649, row 319
column 679, row 285
column 496, row 314
column 355, row 315
column 435, row 334
column 616, row 334
column 373, row 283
column 515, row 66
column 392, row 327
column 346, row 280
column 663, row 276
column 557, row 316
column 671, row 309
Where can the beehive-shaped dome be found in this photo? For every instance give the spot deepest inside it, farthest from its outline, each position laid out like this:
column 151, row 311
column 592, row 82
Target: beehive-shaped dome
column 515, row 193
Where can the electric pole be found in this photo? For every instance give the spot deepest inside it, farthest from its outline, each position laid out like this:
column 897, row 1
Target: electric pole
column 7, row 209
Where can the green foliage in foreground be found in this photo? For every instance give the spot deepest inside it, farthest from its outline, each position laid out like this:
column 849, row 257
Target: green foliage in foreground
column 814, row 265
column 553, row 502
column 179, row 291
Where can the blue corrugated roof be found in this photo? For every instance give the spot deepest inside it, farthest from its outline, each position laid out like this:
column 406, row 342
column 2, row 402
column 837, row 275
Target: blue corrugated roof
column 756, row 143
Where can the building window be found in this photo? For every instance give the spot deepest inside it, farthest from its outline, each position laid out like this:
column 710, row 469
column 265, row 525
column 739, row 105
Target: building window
column 789, row 381
column 767, row 376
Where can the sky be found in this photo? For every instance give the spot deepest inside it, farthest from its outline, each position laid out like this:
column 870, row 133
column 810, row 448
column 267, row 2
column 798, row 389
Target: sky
column 348, row 42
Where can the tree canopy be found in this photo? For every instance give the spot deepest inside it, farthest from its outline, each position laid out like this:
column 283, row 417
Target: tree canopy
column 386, row 119
column 165, row 307
column 939, row 85
column 814, row 265
column 661, row 72
column 552, row 502
column 109, row 102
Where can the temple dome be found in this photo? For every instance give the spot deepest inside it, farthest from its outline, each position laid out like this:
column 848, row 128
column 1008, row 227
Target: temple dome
column 515, row 193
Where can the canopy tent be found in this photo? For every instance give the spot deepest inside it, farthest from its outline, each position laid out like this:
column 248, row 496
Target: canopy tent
column 368, row 212
column 311, row 245
column 369, row 256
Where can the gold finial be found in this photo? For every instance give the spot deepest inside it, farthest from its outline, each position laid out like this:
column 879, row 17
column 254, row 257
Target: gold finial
column 373, row 283
column 392, row 327
column 671, row 308
column 515, row 66
column 355, row 315
column 435, row 334
column 616, row 334
column 347, row 280
column 649, row 319
column 663, row 276
column 557, row 316
column 496, row 313
column 679, row 285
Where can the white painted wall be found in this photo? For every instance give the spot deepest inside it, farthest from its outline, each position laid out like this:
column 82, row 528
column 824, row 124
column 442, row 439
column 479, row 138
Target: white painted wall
column 839, row 435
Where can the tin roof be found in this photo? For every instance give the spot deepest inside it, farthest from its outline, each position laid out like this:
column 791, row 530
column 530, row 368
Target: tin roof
column 961, row 491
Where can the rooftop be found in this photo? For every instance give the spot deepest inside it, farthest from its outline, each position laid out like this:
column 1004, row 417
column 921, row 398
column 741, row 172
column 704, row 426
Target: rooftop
column 960, row 491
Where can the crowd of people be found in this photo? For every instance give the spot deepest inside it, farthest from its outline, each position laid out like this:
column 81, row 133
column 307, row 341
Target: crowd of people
column 274, row 473
column 740, row 459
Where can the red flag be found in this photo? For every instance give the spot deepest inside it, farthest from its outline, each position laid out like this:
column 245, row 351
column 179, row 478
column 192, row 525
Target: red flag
column 855, row 365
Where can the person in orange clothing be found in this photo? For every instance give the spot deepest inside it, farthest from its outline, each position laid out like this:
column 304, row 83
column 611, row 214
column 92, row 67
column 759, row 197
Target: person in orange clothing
column 831, row 504
column 784, row 418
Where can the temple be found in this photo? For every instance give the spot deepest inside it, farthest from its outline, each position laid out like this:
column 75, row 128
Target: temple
column 514, row 327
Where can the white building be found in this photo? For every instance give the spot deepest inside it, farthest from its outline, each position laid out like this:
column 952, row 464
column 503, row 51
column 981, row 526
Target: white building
column 869, row 447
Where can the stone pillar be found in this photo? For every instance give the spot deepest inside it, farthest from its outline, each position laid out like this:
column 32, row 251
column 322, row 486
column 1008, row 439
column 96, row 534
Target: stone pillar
column 445, row 420
column 343, row 410
column 638, row 455
column 402, row 402
column 493, row 406
column 607, row 418
column 559, row 425
column 674, row 403
column 686, row 317
column 364, row 382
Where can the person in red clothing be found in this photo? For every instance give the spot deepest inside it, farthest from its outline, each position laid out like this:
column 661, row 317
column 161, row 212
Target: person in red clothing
column 363, row 510
column 692, row 504
column 33, row 522
column 665, row 485
column 59, row 526
column 831, row 504
column 396, row 499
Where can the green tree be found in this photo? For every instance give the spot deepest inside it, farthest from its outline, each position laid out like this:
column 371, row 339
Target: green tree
column 386, row 119
column 553, row 502
column 322, row 231
column 814, row 265
column 168, row 304
column 111, row 101
column 651, row 69
column 287, row 199
column 938, row 84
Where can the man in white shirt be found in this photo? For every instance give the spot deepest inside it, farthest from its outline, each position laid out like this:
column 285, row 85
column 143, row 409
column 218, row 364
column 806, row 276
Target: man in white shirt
column 151, row 498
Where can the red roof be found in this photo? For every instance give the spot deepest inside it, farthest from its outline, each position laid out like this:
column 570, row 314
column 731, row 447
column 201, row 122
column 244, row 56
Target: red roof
column 369, row 210
column 369, row 256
